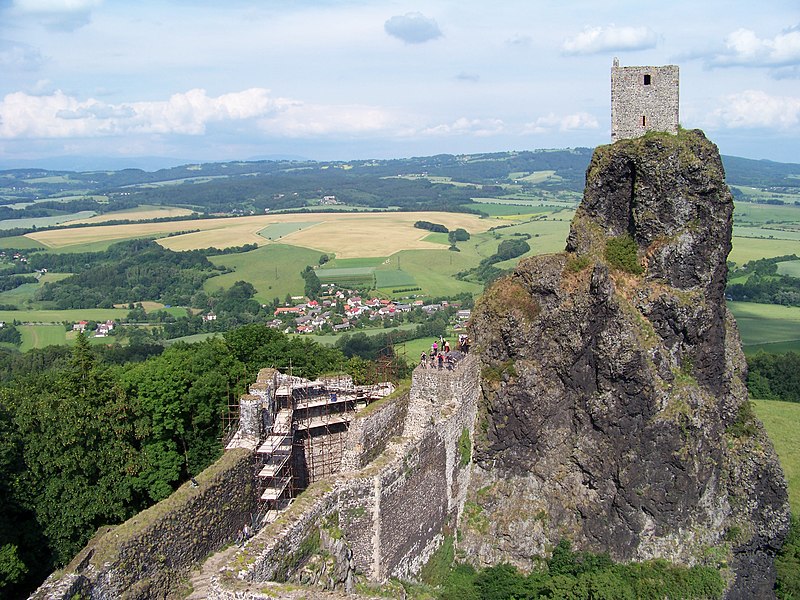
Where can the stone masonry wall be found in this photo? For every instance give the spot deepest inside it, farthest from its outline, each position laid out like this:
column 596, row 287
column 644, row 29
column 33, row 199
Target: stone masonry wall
column 371, row 430
column 148, row 555
column 638, row 107
column 393, row 513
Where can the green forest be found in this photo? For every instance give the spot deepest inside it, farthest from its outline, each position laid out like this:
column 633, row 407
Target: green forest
column 91, row 437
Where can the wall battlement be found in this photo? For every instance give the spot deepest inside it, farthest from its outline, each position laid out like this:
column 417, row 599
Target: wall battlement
column 643, row 99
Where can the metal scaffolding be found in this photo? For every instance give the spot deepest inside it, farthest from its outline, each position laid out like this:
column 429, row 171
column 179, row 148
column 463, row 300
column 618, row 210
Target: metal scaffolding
column 304, row 429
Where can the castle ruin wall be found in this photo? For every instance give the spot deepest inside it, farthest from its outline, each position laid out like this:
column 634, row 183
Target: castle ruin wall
column 371, row 430
column 152, row 552
column 395, row 512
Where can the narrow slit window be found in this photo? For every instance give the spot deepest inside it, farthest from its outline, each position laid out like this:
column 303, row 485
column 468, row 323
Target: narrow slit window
column 644, row 121
column 647, row 79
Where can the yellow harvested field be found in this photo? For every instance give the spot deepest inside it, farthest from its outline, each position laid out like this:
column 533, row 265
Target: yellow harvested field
column 348, row 235
column 137, row 214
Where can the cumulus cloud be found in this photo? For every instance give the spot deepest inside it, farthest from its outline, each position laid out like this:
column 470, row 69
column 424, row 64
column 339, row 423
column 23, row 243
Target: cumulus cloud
column 464, row 126
column 594, row 40
column 58, row 115
column 551, row 122
column 756, row 109
column 744, row 48
column 412, row 28
column 310, row 120
column 473, row 77
column 58, row 15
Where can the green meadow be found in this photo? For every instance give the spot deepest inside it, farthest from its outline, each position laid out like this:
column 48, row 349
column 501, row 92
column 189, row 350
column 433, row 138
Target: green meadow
column 72, row 315
column 767, row 326
column 274, row 270
column 276, row 231
column 790, row 267
column 780, row 420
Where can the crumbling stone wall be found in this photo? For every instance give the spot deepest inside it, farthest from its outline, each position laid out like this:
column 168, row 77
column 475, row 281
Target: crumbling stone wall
column 148, row 555
column 371, row 430
column 393, row 513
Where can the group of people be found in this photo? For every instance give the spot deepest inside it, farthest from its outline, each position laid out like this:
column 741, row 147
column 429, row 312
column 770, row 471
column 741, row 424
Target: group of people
column 441, row 356
column 243, row 535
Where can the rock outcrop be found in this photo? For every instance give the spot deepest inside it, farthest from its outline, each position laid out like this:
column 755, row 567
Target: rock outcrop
column 614, row 407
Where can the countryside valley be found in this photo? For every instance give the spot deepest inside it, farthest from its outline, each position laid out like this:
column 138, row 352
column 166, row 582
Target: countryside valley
column 206, row 273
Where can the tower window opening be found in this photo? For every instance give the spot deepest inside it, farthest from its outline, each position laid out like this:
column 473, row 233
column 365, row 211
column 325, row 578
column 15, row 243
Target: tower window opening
column 644, row 121
column 647, row 79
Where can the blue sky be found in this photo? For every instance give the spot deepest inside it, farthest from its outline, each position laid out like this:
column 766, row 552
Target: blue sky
column 339, row 80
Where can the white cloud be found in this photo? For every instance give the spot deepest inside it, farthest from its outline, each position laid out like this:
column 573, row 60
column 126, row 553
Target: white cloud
column 308, row 120
column 58, row 15
column 58, row 115
column 756, row 109
column 744, row 48
column 464, row 126
column 412, row 28
column 594, row 40
column 552, row 122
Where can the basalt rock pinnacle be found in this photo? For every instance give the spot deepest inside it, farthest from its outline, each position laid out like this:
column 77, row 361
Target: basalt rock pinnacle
column 614, row 408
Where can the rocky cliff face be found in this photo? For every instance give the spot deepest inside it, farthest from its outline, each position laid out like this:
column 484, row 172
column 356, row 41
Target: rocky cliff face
column 614, row 408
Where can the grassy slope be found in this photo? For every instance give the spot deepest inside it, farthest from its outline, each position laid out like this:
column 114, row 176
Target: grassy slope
column 780, row 420
column 274, row 270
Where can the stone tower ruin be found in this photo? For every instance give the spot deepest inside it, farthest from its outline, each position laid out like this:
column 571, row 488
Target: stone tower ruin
column 643, row 99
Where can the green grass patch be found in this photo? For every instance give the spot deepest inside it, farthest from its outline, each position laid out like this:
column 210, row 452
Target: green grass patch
column 347, row 263
column 518, row 210
column 766, row 323
column 747, row 249
column 274, row 270
column 40, row 336
column 72, row 315
column 437, row 238
column 780, row 420
column 330, row 340
column 790, row 268
column 754, row 213
column 352, row 277
column 25, row 292
column 19, row 241
column 191, row 339
column 393, row 278
column 771, row 232
column 45, row 221
column 99, row 246
column 276, row 231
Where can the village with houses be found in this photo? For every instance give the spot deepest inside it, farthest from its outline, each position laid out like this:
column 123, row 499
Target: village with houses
column 340, row 310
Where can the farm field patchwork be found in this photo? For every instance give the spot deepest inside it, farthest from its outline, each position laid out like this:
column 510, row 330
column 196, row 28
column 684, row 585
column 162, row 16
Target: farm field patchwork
column 368, row 234
column 766, row 232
